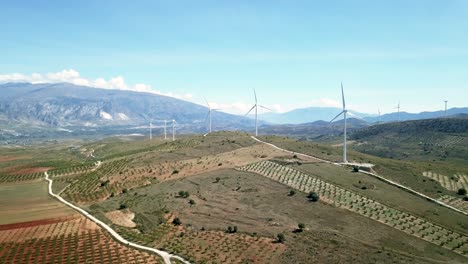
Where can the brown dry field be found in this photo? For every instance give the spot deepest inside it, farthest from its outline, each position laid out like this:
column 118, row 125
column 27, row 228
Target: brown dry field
column 163, row 170
column 121, row 218
column 31, row 170
column 11, row 158
column 258, row 205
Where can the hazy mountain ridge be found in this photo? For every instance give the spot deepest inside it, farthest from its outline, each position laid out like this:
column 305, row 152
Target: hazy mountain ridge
column 312, row 114
column 306, row 115
column 64, row 104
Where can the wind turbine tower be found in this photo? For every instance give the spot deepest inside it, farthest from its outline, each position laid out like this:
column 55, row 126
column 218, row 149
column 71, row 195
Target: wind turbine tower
column 173, row 129
column 151, row 132
column 445, row 114
column 380, row 118
column 209, row 114
column 256, row 105
column 398, row 107
column 344, row 112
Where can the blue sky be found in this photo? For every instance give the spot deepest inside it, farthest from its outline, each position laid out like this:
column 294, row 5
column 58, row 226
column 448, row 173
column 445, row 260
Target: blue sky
column 294, row 53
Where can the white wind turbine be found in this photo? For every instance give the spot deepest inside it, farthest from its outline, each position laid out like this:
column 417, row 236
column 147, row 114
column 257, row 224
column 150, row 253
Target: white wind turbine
column 380, row 118
column 344, row 112
column 165, row 129
column 173, row 129
column 445, row 113
column 398, row 107
column 209, row 114
column 150, row 129
column 256, row 105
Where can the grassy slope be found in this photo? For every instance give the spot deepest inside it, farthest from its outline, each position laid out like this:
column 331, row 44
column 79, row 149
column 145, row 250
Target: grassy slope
column 258, row 205
column 406, row 172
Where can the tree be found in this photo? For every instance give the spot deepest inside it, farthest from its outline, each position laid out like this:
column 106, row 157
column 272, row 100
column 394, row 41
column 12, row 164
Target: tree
column 184, row 194
column 191, row 202
column 177, row 221
column 291, row 192
column 281, row 238
column 122, row 206
column 313, row 196
column 462, row 191
column 301, row 227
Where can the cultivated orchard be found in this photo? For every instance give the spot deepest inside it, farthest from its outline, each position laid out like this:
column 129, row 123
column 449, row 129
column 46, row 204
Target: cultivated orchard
column 343, row 198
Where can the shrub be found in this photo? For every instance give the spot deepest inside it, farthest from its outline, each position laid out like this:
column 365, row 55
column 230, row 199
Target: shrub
column 355, row 169
column 217, row 179
column 280, row 238
column 462, row 191
column 231, row 229
column 125, row 190
column 301, row 227
column 313, row 197
column 122, row 206
column 191, row 202
column 176, row 221
column 291, row 192
column 184, row 194
column 175, row 171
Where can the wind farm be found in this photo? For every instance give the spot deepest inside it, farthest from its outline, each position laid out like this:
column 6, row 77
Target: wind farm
column 163, row 132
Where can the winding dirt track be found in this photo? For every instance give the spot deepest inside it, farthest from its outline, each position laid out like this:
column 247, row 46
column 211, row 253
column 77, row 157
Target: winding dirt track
column 164, row 255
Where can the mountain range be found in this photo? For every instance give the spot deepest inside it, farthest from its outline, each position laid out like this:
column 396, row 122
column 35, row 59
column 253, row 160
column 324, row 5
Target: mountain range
column 64, row 104
column 312, row 114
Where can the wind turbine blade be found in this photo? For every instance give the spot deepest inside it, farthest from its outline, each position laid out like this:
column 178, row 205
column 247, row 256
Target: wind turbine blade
column 342, row 96
column 338, row 115
column 251, row 109
column 264, row 107
column 207, row 102
column 358, row 117
column 255, row 94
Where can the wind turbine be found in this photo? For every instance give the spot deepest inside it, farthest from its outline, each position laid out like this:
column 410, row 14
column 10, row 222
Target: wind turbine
column 445, row 114
column 380, row 118
column 398, row 107
column 173, row 129
column 256, row 105
column 151, row 132
column 209, row 114
column 344, row 112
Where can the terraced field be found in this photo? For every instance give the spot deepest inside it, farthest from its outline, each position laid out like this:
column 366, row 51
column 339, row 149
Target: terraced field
column 453, row 183
column 346, row 199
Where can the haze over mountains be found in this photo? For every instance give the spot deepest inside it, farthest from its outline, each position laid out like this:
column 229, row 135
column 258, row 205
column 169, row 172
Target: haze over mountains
column 64, row 104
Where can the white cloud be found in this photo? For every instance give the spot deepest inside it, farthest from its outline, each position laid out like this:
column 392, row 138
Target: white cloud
column 74, row 77
column 326, row 102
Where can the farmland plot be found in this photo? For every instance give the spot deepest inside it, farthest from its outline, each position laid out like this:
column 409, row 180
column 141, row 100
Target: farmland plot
column 346, row 199
column 207, row 246
column 455, row 202
column 95, row 185
column 64, row 240
column 453, row 183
